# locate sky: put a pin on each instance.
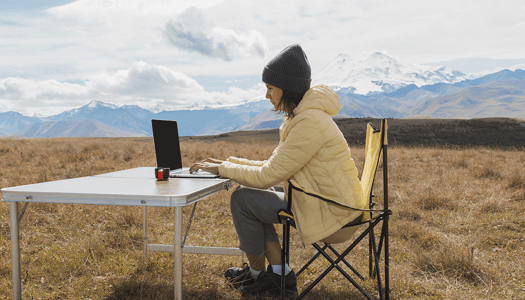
(56, 55)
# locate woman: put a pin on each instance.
(312, 151)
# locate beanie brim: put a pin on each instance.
(292, 84)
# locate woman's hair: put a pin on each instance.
(289, 102)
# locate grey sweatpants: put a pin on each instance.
(254, 212)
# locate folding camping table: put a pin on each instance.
(133, 187)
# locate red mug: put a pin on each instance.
(162, 173)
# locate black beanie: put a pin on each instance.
(289, 70)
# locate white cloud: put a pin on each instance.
(72, 43)
(145, 80)
(143, 84)
(191, 31)
(94, 8)
(20, 89)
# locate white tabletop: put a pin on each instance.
(136, 187)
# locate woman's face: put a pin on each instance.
(274, 94)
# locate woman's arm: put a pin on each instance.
(247, 162)
(212, 164)
(302, 143)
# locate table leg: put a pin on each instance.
(177, 251)
(15, 250)
(145, 232)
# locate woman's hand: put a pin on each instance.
(209, 165)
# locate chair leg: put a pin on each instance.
(382, 238)
(336, 253)
(370, 257)
(377, 271)
(284, 255)
(341, 257)
(334, 264)
(288, 244)
(383, 242)
(311, 261)
(346, 263)
(387, 260)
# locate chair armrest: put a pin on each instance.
(286, 216)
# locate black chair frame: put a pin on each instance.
(376, 216)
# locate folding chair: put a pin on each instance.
(376, 146)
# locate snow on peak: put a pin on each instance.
(159, 108)
(517, 67)
(95, 104)
(377, 72)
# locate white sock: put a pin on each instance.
(277, 269)
(254, 273)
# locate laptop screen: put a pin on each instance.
(166, 143)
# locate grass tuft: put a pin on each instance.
(408, 214)
(454, 262)
(433, 202)
(516, 181)
(488, 172)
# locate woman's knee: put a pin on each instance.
(238, 198)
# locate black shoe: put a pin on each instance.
(270, 282)
(239, 276)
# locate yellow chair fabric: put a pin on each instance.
(376, 141)
(373, 147)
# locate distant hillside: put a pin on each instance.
(84, 128)
(491, 132)
(444, 88)
(11, 122)
(498, 98)
(403, 100)
(265, 120)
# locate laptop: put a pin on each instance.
(167, 150)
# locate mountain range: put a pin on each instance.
(376, 72)
(129, 120)
(374, 85)
(83, 128)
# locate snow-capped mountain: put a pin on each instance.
(128, 118)
(376, 72)
(11, 122)
(82, 112)
(104, 119)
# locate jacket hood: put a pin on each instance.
(320, 97)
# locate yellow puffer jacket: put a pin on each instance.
(313, 152)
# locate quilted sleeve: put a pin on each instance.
(244, 161)
(302, 143)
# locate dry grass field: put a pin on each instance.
(457, 229)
